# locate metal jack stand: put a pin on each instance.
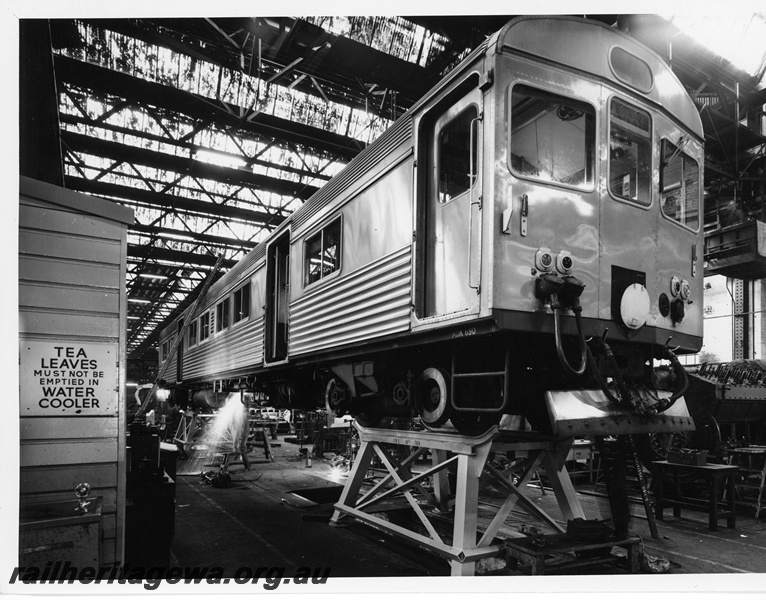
(469, 456)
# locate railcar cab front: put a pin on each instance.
(597, 178)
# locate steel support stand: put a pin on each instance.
(468, 456)
(185, 431)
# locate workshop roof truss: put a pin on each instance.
(210, 158)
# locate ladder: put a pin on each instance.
(143, 409)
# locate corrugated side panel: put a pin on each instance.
(235, 350)
(171, 371)
(371, 302)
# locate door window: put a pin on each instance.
(457, 155)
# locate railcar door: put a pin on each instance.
(453, 209)
(278, 285)
(629, 220)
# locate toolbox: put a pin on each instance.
(688, 457)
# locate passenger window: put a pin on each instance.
(222, 315)
(455, 156)
(552, 137)
(204, 327)
(192, 334)
(679, 185)
(322, 253)
(630, 153)
(164, 351)
(242, 303)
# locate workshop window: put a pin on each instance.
(630, 153)
(204, 327)
(322, 253)
(242, 303)
(192, 335)
(679, 185)
(222, 315)
(553, 138)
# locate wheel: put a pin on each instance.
(432, 397)
(336, 398)
(472, 423)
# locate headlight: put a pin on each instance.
(686, 289)
(675, 286)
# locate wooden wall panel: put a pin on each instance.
(38, 480)
(57, 245)
(59, 297)
(43, 428)
(57, 452)
(58, 219)
(72, 264)
(45, 323)
(35, 268)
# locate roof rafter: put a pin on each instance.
(155, 199)
(223, 114)
(184, 165)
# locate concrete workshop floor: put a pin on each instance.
(257, 523)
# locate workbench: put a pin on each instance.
(752, 469)
(717, 476)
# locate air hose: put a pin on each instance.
(663, 404)
(564, 293)
(681, 377)
(577, 310)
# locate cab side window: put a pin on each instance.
(679, 185)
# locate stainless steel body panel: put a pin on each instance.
(368, 303)
(559, 217)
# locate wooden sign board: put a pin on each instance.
(67, 379)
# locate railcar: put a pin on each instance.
(524, 240)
